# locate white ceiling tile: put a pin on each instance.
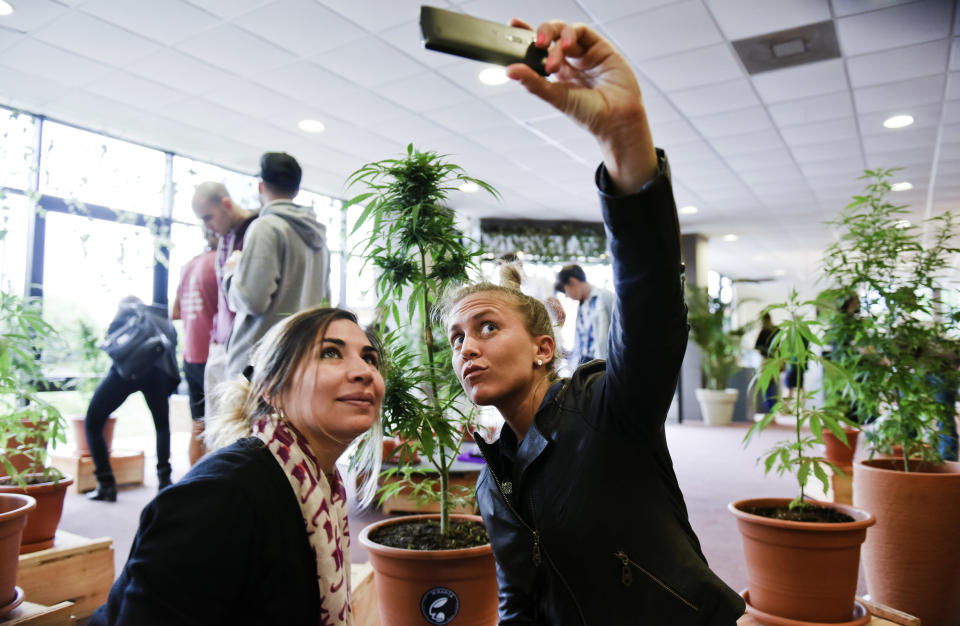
(181, 71)
(8, 38)
(360, 106)
(520, 105)
(806, 110)
(685, 154)
(734, 94)
(363, 62)
(779, 157)
(820, 132)
(466, 74)
(228, 9)
(95, 38)
(252, 99)
(608, 10)
(953, 86)
(733, 122)
(52, 63)
(899, 95)
(923, 116)
(849, 168)
(950, 151)
(659, 109)
(33, 14)
(351, 139)
(407, 38)
(315, 28)
(955, 53)
(739, 19)
(900, 157)
(33, 92)
(850, 7)
(743, 143)
(654, 33)
(803, 81)
(951, 111)
(908, 138)
(375, 17)
(306, 82)
(94, 112)
(412, 128)
(951, 132)
(423, 92)
(532, 12)
(894, 27)
(469, 117)
(899, 64)
(236, 50)
(135, 91)
(830, 149)
(692, 68)
(166, 21)
(674, 132)
(559, 128)
(202, 113)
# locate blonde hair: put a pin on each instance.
(275, 361)
(534, 313)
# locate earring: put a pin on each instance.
(539, 361)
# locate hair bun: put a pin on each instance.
(510, 276)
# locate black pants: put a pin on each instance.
(110, 393)
(193, 372)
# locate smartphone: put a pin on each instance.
(480, 40)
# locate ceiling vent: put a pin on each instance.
(787, 48)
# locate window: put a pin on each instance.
(360, 293)
(16, 148)
(186, 242)
(187, 174)
(14, 215)
(86, 167)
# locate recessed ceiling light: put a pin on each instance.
(902, 186)
(898, 121)
(779, 272)
(469, 187)
(311, 126)
(493, 76)
(687, 210)
(5, 8)
(903, 224)
(730, 237)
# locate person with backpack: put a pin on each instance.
(141, 342)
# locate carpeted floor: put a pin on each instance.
(711, 464)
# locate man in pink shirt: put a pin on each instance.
(196, 305)
(216, 210)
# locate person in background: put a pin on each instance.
(284, 266)
(256, 532)
(196, 304)
(572, 448)
(593, 314)
(218, 213)
(538, 288)
(153, 372)
(762, 345)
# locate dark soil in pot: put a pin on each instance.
(425, 535)
(808, 513)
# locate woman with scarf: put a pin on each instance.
(257, 532)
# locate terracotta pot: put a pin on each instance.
(836, 451)
(910, 558)
(42, 525)
(80, 434)
(716, 406)
(416, 587)
(20, 461)
(805, 571)
(13, 517)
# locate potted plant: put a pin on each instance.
(905, 352)
(14, 508)
(802, 556)
(27, 422)
(419, 253)
(720, 348)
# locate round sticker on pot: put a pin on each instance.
(439, 605)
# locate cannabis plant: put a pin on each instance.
(795, 342)
(708, 317)
(418, 254)
(902, 346)
(27, 422)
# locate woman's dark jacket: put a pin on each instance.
(586, 518)
(224, 545)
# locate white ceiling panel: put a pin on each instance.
(306, 82)
(423, 92)
(820, 132)
(365, 59)
(739, 19)
(407, 38)
(727, 96)
(843, 8)
(894, 27)
(910, 138)
(816, 109)
(955, 53)
(733, 122)
(135, 91)
(744, 143)
(923, 116)
(531, 11)
(253, 99)
(236, 50)
(181, 71)
(375, 17)
(32, 14)
(558, 128)
(360, 106)
(779, 157)
(899, 95)
(677, 131)
(843, 148)
(33, 91)
(517, 104)
(804, 81)
(166, 21)
(471, 117)
(94, 38)
(411, 128)
(316, 28)
(899, 64)
(228, 9)
(52, 63)
(652, 33)
(693, 68)
(608, 10)
(205, 114)
(953, 86)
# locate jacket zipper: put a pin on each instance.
(626, 577)
(536, 557)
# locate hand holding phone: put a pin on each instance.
(480, 40)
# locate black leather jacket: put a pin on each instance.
(586, 518)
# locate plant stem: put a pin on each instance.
(797, 412)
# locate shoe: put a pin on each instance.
(103, 493)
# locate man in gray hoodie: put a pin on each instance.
(284, 266)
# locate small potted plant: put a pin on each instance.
(419, 253)
(27, 422)
(720, 349)
(904, 355)
(802, 556)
